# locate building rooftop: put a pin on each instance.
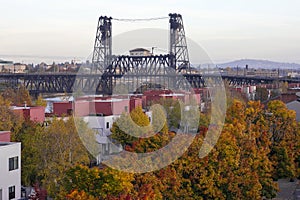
(19, 107)
(2, 132)
(109, 100)
(171, 95)
(7, 143)
(5, 62)
(139, 49)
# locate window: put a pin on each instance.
(0, 194)
(126, 108)
(11, 192)
(13, 163)
(107, 125)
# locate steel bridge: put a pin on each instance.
(171, 70)
(89, 83)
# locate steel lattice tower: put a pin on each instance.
(103, 45)
(178, 45)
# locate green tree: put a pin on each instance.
(59, 148)
(261, 94)
(30, 135)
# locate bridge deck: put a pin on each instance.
(66, 82)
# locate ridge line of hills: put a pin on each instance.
(255, 63)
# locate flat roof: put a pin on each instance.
(5, 62)
(7, 143)
(109, 100)
(171, 95)
(92, 95)
(19, 108)
(1, 132)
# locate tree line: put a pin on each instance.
(258, 145)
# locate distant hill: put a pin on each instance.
(266, 64)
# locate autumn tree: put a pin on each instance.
(79, 195)
(129, 127)
(238, 166)
(19, 96)
(95, 183)
(59, 148)
(285, 139)
(40, 101)
(255, 146)
(8, 119)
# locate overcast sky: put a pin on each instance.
(227, 30)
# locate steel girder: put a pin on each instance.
(120, 72)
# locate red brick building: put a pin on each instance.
(152, 96)
(135, 102)
(36, 114)
(94, 106)
(109, 106)
(62, 108)
(81, 108)
(4, 136)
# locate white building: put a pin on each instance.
(10, 170)
(103, 124)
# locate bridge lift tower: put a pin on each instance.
(103, 45)
(112, 68)
(178, 45)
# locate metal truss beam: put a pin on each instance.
(134, 71)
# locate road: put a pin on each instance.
(288, 190)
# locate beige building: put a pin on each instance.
(140, 52)
(10, 67)
(5, 65)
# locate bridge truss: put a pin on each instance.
(133, 71)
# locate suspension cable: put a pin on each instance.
(136, 20)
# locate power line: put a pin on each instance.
(138, 20)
